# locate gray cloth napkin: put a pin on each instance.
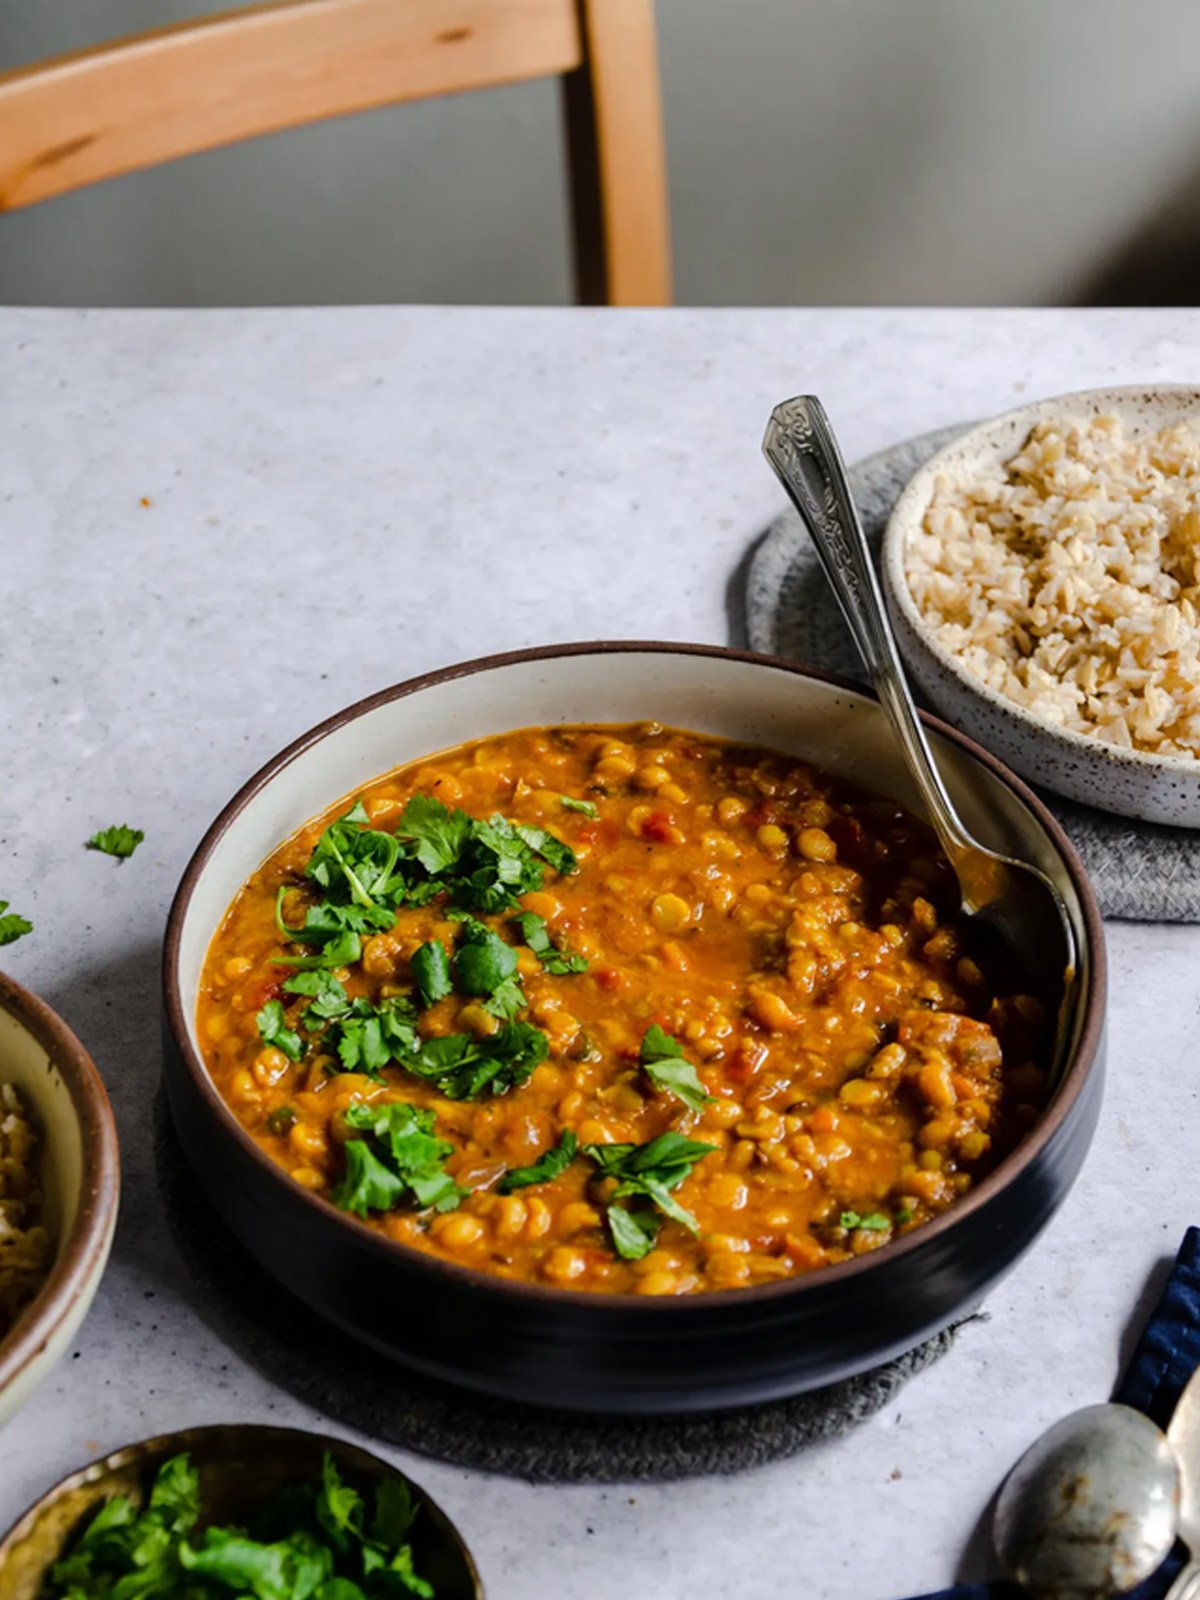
(1139, 870)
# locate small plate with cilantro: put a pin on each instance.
(237, 1513)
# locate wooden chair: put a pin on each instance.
(149, 98)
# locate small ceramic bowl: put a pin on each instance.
(620, 1352)
(80, 1176)
(1132, 783)
(242, 1467)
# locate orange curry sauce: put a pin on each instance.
(797, 937)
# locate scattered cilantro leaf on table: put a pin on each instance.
(12, 926)
(661, 1058)
(547, 1166)
(120, 841)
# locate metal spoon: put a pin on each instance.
(1092, 1508)
(1013, 900)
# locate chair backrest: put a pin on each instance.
(150, 98)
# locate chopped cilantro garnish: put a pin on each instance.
(555, 960)
(355, 862)
(317, 1544)
(369, 1036)
(569, 803)
(328, 995)
(661, 1058)
(873, 1222)
(336, 931)
(12, 926)
(120, 841)
(431, 972)
(547, 1166)
(905, 1213)
(275, 1031)
(648, 1172)
(404, 1160)
(437, 835)
(461, 1067)
(486, 966)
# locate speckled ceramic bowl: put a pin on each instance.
(241, 1467)
(619, 1352)
(1132, 783)
(80, 1178)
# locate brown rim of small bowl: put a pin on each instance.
(666, 1305)
(894, 566)
(189, 1438)
(90, 1234)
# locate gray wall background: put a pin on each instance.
(821, 152)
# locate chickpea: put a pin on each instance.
(774, 1014)
(659, 1283)
(670, 913)
(237, 967)
(731, 808)
(862, 1094)
(673, 793)
(652, 777)
(511, 1216)
(308, 1141)
(270, 1065)
(458, 1231)
(814, 844)
(564, 1265)
(935, 1081)
(772, 838)
(578, 1216)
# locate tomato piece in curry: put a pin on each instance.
(840, 1067)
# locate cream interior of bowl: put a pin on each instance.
(754, 702)
(25, 1063)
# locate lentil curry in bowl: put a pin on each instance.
(621, 1009)
(605, 1066)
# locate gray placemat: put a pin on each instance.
(358, 1387)
(1139, 870)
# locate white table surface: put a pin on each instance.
(341, 498)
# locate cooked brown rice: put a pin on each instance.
(1068, 579)
(24, 1243)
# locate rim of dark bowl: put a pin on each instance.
(143, 1451)
(1082, 1059)
(89, 1235)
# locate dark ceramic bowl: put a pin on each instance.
(621, 1352)
(242, 1467)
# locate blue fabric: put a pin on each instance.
(1167, 1354)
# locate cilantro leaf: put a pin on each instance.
(633, 1232)
(547, 1166)
(274, 1030)
(461, 1066)
(485, 965)
(406, 1159)
(12, 926)
(335, 929)
(120, 841)
(436, 833)
(482, 960)
(354, 861)
(328, 995)
(648, 1171)
(569, 803)
(316, 1549)
(431, 972)
(873, 1222)
(555, 960)
(368, 1037)
(560, 856)
(661, 1058)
